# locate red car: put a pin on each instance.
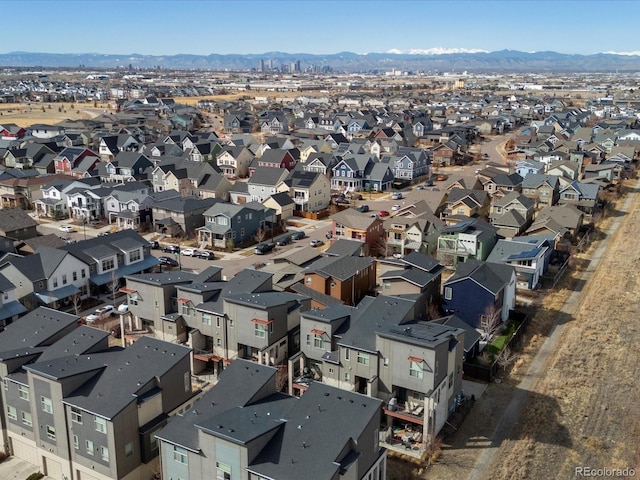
(383, 213)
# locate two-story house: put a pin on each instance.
(16, 224)
(347, 278)
(583, 196)
(274, 158)
(410, 163)
(76, 161)
(226, 223)
(544, 190)
(471, 239)
(127, 167)
(234, 161)
(311, 192)
(407, 233)
(10, 308)
(512, 214)
(529, 257)
(467, 203)
(348, 174)
(265, 182)
(180, 216)
(354, 225)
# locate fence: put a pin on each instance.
(487, 373)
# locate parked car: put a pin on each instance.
(263, 248)
(396, 207)
(68, 240)
(363, 208)
(101, 313)
(329, 235)
(316, 243)
(342, 201)
(189, 252)
(354, 196)
(93, 223)
(66, 228)
(284, 240)
(419, 187)
(171, 249)
(428, 183)
(154, 245)
(383, 213)
(441, 178)
(103, 234)
(396, 196)
(297, 235)
(168, 262)
(123, 308)
(206, 254)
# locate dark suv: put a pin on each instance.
(171, 249)
(263, 248)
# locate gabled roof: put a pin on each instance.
(12, 219)
(268, 176)
(351, 218)
(341, 268)
(535, 180)
(492, 277)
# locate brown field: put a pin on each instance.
(24, 115)
(584, 410)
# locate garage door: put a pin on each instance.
(24, 451)
(52, 468)
(84, 476)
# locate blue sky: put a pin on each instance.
(323, 26)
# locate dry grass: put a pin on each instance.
(25, 115)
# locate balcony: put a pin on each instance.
(408, 412)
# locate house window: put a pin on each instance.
(23, 392)
(104, 453)
(347, 377)
(318, 341)
(108, 264)
(64, 279)
(387, 284)
(101, 425)
(12, 413)
(83, 273)
(55, 282)
(128, 449)
(26, 418)
(179, 455)
(451, 380)
(76, 416)
(47, 405)
(75, 276)
(219, 342)
(51, 432)
(134, 256)
(309, 340)
(448, 293)
(260, 330)
(416, 370)
(76, 442)
(206, 319)
(331, 370)
(385, 361)
(223, 471)
(363, 358)
(89, 447)
(5, 383)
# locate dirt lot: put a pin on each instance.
(583, 409)
(24, 115)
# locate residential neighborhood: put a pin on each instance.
(284, 286)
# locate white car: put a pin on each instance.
(67, 228)
(189, 252)
(101, 313)
(395, 207)
(123, 308)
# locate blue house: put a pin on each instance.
(479, 290)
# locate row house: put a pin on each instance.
(241, 428)
(353, 225)
(54, 201)
(470, 239)
(379, 350)
(68, 420)
(180, 216)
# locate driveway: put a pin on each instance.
(14, 468)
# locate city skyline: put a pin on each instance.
(321, 27)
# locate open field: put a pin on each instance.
(24, 114)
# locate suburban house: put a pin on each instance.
(409, 163)
(112, 257)
(16, 224)
(504, 183)
(530, 258)
(544, 190)
(470, 239)
(311, 192)
(282, 204)
(234, 161)
(354, 225)
(76, 161)
(417, 276)
(407, 233)
(565, 220)
(127, 167)
(264, 182)
(467, 203)
(346, 278)
(274, 158)
(348, 174)
(245, 428)
(512, 214)
(71, 422)
(180, 216)
(238, 224)
(583, 196)
(479, 292)
(10, 308)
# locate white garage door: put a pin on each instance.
(24, 451)
(84, 476)
(52, 468)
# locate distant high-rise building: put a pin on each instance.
(261, 68)
(297, 66)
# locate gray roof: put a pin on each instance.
(471, 335)
(40, 327)
(353, 219)
(493, 277)
(323, 299)
(534, 180)
(268, 176)
(264, 300)
(40, 265)
(82, 248)
(12, 219)
(506, 250)
(164, 278)
(425, 334)
(416, 276)
(283, 199)
(341, 268)
(131, 369)
(345, 247)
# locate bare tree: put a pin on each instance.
(491, 322)
(433, 311)
(380, 248)
(260, 235)
(506, 358)
(114, 285)
(76, 301)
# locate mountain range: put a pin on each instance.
(415, 60)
